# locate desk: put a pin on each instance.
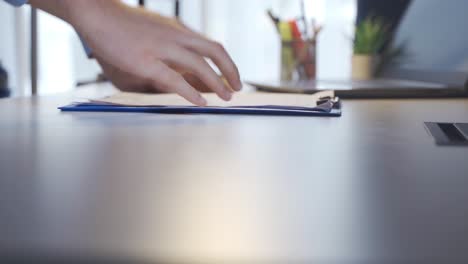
(370, 187)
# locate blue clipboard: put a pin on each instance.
(326, 109)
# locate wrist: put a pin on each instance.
(85, 15)
(78, 13)
(58, 8)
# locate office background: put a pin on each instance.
(246, 32)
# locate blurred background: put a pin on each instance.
(241, 25)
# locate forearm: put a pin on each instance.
(76, 12)
(155, 50)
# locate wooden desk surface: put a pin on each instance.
(370, 187)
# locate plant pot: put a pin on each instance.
(364, 66)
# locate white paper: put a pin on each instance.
(239, 99)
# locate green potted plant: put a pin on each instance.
(370, 37)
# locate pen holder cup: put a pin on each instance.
(298, 60)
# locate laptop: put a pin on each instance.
(435, 62)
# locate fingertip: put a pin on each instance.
(238, 87)
(201, 101)
(235, 84)
(196, 99)
(227, 96)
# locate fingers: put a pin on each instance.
(219, 56)
(196, 83)
(171, 81)
(197, 65)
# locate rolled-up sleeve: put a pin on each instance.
(17, 2)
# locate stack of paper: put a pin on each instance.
(319, 104)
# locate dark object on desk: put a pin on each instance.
(319, 104)
(435, 61)
(4, 90)
(328, 108)
(452, 134)
(380, 88)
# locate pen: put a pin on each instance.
(274, 19)
(316, 29)
(300, 49)
(304, 18)
(287, 51)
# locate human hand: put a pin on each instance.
(155, 50)
(131, 83)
